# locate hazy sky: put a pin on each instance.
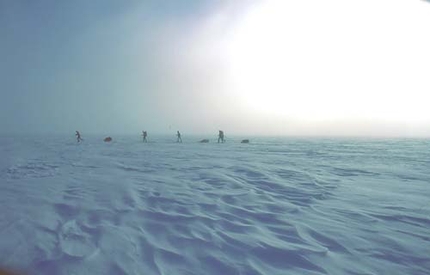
(312, 67)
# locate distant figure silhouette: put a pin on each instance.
(144, 135)
(107, 139)
(78, 136)
(221, 136)
(245, 141)
(204, 141)
(179, 137)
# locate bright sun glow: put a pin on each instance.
(333, 60)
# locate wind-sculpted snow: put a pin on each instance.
(273, 206)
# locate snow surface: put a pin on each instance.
(274, 206)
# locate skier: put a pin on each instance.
(221, 136)
(78, 136)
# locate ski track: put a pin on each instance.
(274, 206)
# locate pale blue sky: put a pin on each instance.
(97, 66)
(248, 67)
